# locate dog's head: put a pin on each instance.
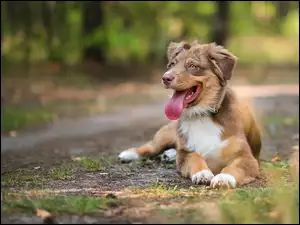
(197, 73)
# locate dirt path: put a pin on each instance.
(104, 123)
(111, 132)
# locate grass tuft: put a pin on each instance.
(62, 173)
(91, 165)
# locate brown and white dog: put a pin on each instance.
(216, 138)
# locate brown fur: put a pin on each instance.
(210, 66)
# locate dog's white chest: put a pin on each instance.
(203, 136)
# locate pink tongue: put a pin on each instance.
(175, 105)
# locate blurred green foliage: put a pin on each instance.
(130, 31)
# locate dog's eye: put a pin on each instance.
(171, 64)
(192, 66)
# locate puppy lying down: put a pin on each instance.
(216, 138)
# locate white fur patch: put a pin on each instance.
(127, 156)
(169, 155)
(224, 180)
(196, 111)
(202, 177)
(203, 136)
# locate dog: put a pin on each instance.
(216, 137)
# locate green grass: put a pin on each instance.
(282, 120)
(62, 173)
(275, 202)
(26, 179)
(18, 118)
(261, 205)
(36, 178)
(280, 164)
(278, 202)
(91, 165)
(57, 204)
(13, 119)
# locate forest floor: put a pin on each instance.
(66, 163)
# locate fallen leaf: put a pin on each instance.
(42, 213)
(45, 216)
(276, 158)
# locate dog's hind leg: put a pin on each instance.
(164, 139)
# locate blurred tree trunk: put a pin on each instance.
(93, 19)
(220, 28)
(282, 9)
(13, 9)
(27, 17)
(47, 22)
(61, 30)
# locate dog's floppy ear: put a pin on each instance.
(175, 48)
(223, 62)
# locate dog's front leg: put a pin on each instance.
(192, 165)
(242, 168)
(164, 138)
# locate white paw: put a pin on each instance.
(202, 177)
(223, 180)
(128, 155)
(169, 155)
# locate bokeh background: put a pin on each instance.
(81, 82)
(73, 58)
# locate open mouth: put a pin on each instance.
(181, 100)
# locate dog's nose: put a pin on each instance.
(167, 78)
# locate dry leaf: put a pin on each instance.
(43, 213)
(276, 159)
(45, 216)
